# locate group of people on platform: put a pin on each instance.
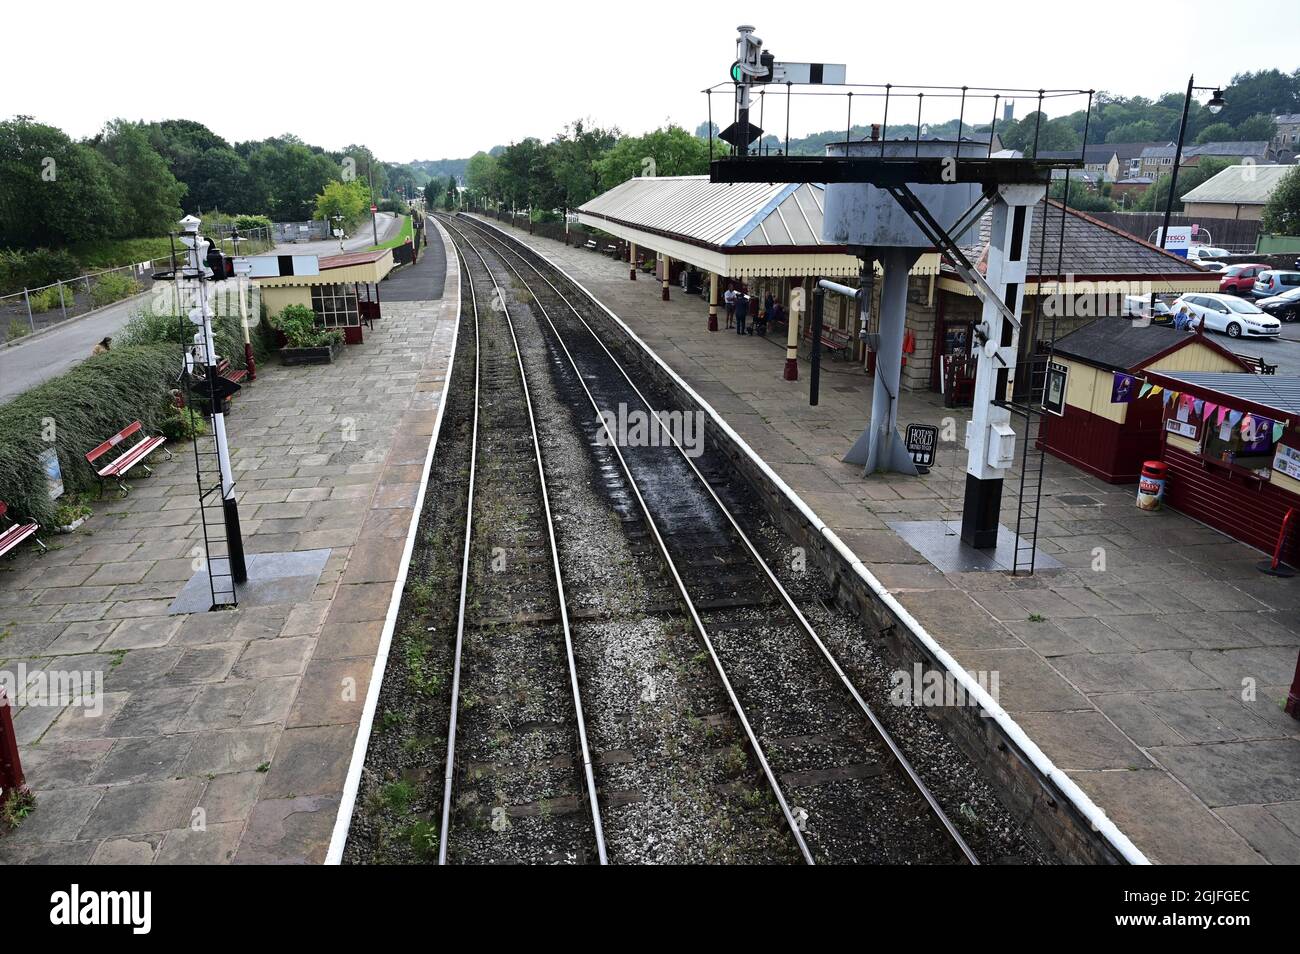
(744, 313)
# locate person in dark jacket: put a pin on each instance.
(742, 311)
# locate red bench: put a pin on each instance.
(236, 375)
(15, 533)
(838, 343)
(117, 468)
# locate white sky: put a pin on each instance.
(444, 81)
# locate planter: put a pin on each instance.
(72, 526)
(322, 354)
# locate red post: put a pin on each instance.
(1275, 566)
(11, 768)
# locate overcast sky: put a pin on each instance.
(445, 81)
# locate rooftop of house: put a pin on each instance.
(1091, 249)
(1247, 184)
(1256, 148)
(1120, 344)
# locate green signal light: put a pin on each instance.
(736, 75)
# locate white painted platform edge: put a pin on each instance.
(352, 783)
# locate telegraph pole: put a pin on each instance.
(370, 171)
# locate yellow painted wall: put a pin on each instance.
(276, 299)
(1089, 388)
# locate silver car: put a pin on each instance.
(1234, 316)
(1274, 282)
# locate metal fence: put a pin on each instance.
(35, 309)
(313, 231)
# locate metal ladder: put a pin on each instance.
(1027, 407)
(207, 475)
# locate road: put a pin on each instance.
(38, 358)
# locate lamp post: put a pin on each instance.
(1216, 103)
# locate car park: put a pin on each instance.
(1274, 282)
(1204, 254)
(1238, 279)
(1139, 306)
(1285, 306)
(1231, 315)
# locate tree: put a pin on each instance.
(346, 200)
(220, 179)
(1257, 128)
(1081, 197)
(292, 176)
(1216, 132)
(573, 155)
(148, 193)
(1282, 211)
(52, 191)
(1050, 135)
(1154, 199)
(481, 175)
(670, 151)
(1269, 92)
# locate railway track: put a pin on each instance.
(845, 790)
(516, 730)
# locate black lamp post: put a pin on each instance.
(1216, 103)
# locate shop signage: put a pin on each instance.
(1287, 460)
(921, 442)
(1054, 389)
(1181, 428)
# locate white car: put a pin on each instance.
(1234, 316)
(1202, 254)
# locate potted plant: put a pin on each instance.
(305, 343)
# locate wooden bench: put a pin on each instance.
(116, 469)
(1257, 364)
(15, 533)
(235, 375)
(591, 244)
(833, 340)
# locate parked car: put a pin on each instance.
(1203, 254)
(1233, 316)
(1139, 306)
(1285, 306)
(1274, 282)
(1238, 279)
(1212, 266)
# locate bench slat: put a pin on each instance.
(132, 457)
(16, 535)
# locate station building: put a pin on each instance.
(343, 290)
(765, 238)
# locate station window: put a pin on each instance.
(1249, 448)
(335, 305)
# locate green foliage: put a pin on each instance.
(1282, 212)
(404, 232)
(49, 298)
(87, 404)
(17, 329)
(148, 193)
(298, 325)
(183, 424)
(670, 151)
(111, 287)
(112, 253)
(1081, 197)
(347, 200)
(246, 223)
(35, 268)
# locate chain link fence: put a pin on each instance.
(35, 309)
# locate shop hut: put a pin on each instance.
(1096, 421)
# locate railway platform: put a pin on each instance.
(226, 736)
(1151, 664)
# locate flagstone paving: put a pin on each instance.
(1152, 668)
(225, 736)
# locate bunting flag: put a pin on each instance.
(1168, 397)
(1156, 390)
(1209, 409)
(1223, 412)
(1234, 417)
(1277, 431)
(1198, 406)
(1145, 388)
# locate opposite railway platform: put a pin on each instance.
(1154, 677)
(226, 736)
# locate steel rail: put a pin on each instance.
(587, 766)
(775, 583)
(768, 773)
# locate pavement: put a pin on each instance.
(36, 358)
(224, 736)
(1151, 667)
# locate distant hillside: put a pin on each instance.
(440, 168)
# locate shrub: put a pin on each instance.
(182, 424)
(47, 299)
(78, 409)
(111, 287)
(248, 222)
(17, 329)
(298, 325)
(33, 269)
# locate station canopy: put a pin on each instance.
(736, 230)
